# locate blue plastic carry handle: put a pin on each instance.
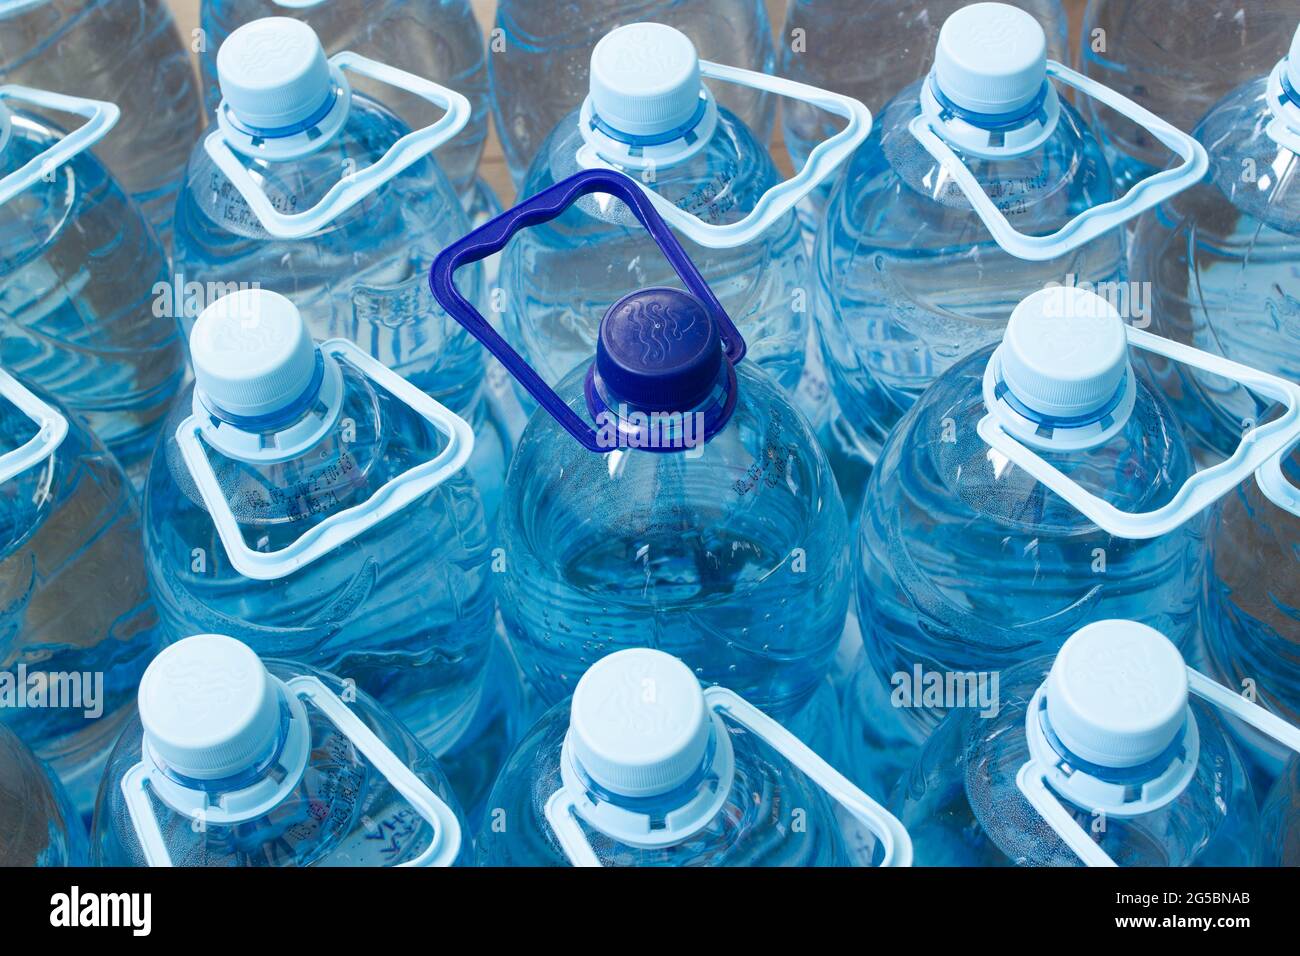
(492, 236)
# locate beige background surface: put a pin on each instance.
(493, 165)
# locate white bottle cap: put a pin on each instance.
(1293, 61)
(1117, 693)
(645, 79)
(638, 723)
(209, 708)
(1064, 353)
(253, 354)
(991, 58)
(273, 73)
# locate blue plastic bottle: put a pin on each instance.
(265, 203)
(538, 56)
(437, 39)
(665, 496)
(978, 186)
(230, 761)
(869, 50)
(130, 54)
(77, 626)
(650, 114)
(1279, 820)
(1251, 612)
(645, 768)
(80, 277)
(314, 505)
(968, 564)
(1177, 58)
(1224, 258)
(1111, 753)
(38, 824)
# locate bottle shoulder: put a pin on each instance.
(936, 454)
(895, 190)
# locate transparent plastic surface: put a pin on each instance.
(773, 816)
(436, 40)
(363, 277)
(342, 811)
(1223, 261)
(404, 609)
(538, 62)
(966, 565)
(130, 54)
(1251, 611)
(1279, 820)
(78, 299)
(38, 824)
(1177, 58)
(869, 50)
(561, 277)
(909, 279)
(77, 625)
(733, 557)
(961, 805)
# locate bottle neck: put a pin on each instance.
(249, 793)
(992, 135)
(284, 434)
(660, 820)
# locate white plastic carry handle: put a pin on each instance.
(51, 427)
(100, 118)
(1258, 446)
(896, 845)
(343, 526)
(822, 161)
(1273, 482)
(1091, 223)
(1031, 779)
(443, 848)
(350, 189)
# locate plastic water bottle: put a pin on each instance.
(1033, 488)
(1177, 59)
(539, 51)
(130, 54)
(1116, 728)
(77, 626)
(38, 824)
(1279, 821)
(869, 50)
(978, 186)
(314, 505)
(1250, 617)
(232, 761)
(266, 204)
(650, 114)
(667, 495)
(645, 768)
(1223, 259)
(436, 39)
(80, 271)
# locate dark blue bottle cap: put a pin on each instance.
(659, 350)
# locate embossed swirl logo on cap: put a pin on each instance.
(264, 51)
(640, 705)
(657, 326)
(244, 331)
(997, 31)
(645, 53)
(202, 687)
(1124, 672)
